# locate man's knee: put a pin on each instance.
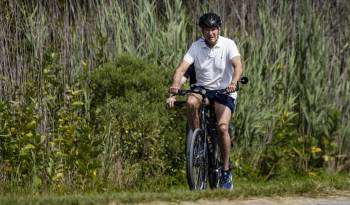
(192, 102)
(223, 129)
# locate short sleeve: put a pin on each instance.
(189, 56)
(232, 50)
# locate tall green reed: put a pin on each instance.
(295, 123)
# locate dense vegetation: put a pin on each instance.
(83, 86)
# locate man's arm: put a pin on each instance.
(237, 70)
(179, 73)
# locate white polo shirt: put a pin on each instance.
(213, 65)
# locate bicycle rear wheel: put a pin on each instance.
(196, 160)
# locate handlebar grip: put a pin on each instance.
(180, 92)
(237, 87)
(179, 103)
(244, 80)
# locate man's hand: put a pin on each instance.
(232, 87)
(174, 89)
(171, 100)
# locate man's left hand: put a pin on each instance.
(232, 87)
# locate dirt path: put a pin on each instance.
(265, 201)
(342, 198)
(277, 201)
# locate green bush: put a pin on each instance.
(111, 129)
(131, 117)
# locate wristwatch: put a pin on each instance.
(234, 83)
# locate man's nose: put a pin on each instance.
(211, 33)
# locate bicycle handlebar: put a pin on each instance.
(201, 92)
(243, 80)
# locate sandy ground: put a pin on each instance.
(277, 201)
(342, 198)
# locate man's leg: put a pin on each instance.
(223, 116)
(193, 103)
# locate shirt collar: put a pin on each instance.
(217, 45)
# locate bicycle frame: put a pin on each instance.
(208, 158)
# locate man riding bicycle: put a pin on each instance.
(217, 65)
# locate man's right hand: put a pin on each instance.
(174, 89)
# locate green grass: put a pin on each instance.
(311, 186)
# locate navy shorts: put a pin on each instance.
(223, 99)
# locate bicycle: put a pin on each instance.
(203, 157)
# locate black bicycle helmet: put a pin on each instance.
(210, 20)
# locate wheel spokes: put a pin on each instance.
(199, 165)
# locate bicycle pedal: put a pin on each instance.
(209, 140)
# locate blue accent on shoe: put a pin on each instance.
(226, 180)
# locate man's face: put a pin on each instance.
(211, 35)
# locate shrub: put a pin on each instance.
(130, 116)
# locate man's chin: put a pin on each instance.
(212, 41)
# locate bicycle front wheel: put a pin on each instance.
(196, 160)
(215, 164)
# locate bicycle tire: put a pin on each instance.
(196, 161)
(215, 164)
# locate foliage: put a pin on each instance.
(296, 122)
(20, 145)
(64, 154)
(132, 119)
